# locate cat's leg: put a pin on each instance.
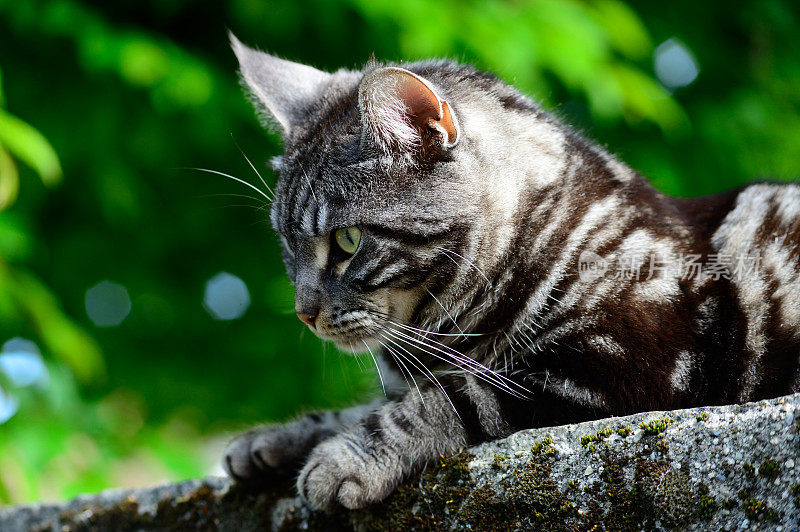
(366, 463)
(281, 448)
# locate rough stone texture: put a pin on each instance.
(715, 468)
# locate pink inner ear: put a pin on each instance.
(448, 123)
(425, 108)
(420, 100)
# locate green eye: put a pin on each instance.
(348, 239)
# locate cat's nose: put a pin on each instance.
(309, 319)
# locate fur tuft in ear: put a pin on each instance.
(284, 89)
(402, 110)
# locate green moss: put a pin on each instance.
(674, 500)
(656, 426)
(624, 512)
(749, 470)
(122, 515)
(528, 496)
(532, 498)
(661, 446)
(456, 467)
(768, 469)
(484, 510)
(625, 431)
(544, 446)
(497, 463)
(754, 508)
(534, 491)
(200, 509)
(795, 489)
(707, 505)
(440, 491)
(702, 417)
(596, 437)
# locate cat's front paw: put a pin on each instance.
(342, 471)
(265, 452)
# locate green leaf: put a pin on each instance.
(624, 28)
(30, 146)
(9, 179)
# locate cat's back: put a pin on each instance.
(759, 241)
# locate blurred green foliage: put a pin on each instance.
(127, 93)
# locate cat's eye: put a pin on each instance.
(348, 239)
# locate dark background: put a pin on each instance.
(128, 94)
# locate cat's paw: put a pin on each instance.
(264, 452)
(341, 471)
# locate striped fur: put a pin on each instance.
(467, 279)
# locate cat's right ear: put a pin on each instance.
(402, 110)
(284, 89)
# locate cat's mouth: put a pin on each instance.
(352, 332)
(366, 344)
(353, 342)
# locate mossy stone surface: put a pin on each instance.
(733, 467)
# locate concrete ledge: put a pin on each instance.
(715, 468)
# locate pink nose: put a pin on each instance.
(310, 319)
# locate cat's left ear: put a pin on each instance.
(402, 110)
(286, 90)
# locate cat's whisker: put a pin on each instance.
(480, 375)
(400, 361)
(445, 311)
(377, 366)
(253, 167)
(386, 317)
(426, 332)
(360, 364)
(448, 251)
(453, 353)
(232, 195)
(473, 363)
(425, 371)
(465, 363)
(242, 181)
(238, 205)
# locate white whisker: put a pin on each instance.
(242, 181)
(467, 260)
(253, 167)
(377, 366)
(446, 312)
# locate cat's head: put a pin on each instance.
(397, 190)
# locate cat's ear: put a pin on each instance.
(286, 90)
(401, 110)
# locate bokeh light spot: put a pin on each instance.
(107, 304)
(18, 344)
(8, 406)
(226, 297)
(675, 64)
(22, 363)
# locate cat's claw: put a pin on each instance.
(336, 475)
(237, 460)
(261, 453)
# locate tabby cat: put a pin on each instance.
(512, 272)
